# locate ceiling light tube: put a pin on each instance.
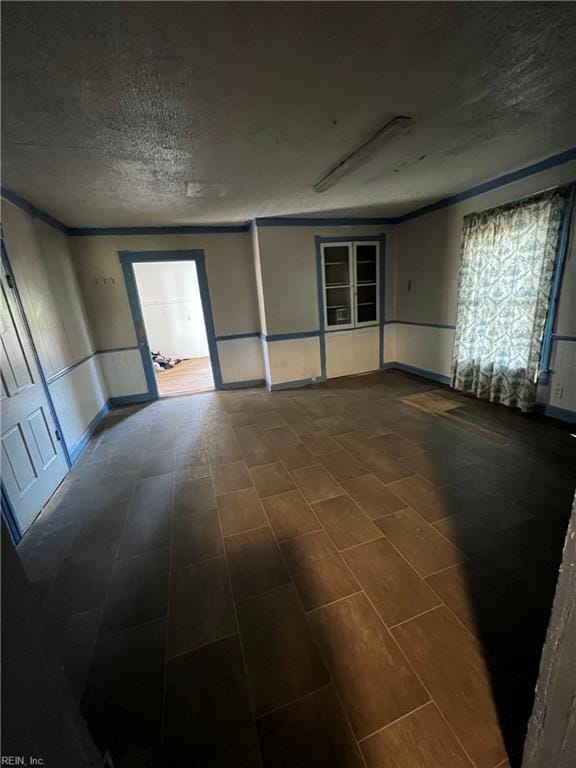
(397, 126)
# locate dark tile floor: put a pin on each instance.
(325, 577)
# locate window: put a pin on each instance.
(506, 273)
(351, 275)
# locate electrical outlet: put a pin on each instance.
(558, 392)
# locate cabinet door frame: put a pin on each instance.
(376, 284)
(352, 246)
(351, 284)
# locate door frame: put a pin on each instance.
(6, 505)
(319, 242)
(196, 255)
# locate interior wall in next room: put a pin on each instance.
(231, 285)
(40, 258)
(427, 287)
(172, 308)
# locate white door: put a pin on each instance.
(33, 462)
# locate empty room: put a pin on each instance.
(288, 367)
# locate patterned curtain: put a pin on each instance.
(506, 271)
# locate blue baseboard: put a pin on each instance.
(242, 384)
(554, 412)
(143, 397)
(80, 444)
(439, 377)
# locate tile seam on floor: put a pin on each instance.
(294, 701)
(431, 698)
(107, 595)
(241, 533)
(430, 525)
(361, 544)
(338, 600)
(131, 627)
(360, 591)
(200, 647)
(171, 518)
(242, 650)
(441, 604)
(398, 719)
(315, 640)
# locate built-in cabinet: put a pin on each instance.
(350, 283)
(351, 293)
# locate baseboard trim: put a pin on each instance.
(242, 384)
(142, 397)
(80, 444)
(432, 375)
(293, 384)
(553, 412)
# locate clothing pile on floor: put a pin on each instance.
(162, 363)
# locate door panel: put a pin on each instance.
(15, 370)
(33, 461)
(16, 460)
(42, 437)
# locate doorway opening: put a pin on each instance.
(173, 315)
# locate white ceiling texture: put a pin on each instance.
(160, 113)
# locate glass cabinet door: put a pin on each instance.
(338, 285)
(366, 279)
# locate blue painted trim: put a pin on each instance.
(439, 377)
(382, 298)
(289, 336)
(553, 412)
(16, 292)
(58, 375)
(80, 444)
(320, 295)
(292, 384)
(242, 384)
(499, 181)
(424, 325)
(32, 210)
(235, 336)
(318, 242)
(193, 229)
(116, 349)
(559, 337)
(9, 517)
(139, 327)
(347, 330)
(128, 259)
(351, 239)
(546, 348)
(208, 319)
(142, 397)
(278, 221)
(64, 371)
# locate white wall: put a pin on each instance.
(231, 284)
(43, 268)
(427, 286)
(172, 308)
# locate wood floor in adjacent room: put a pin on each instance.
(338, 576)
(186, 378)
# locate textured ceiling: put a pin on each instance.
(172, 113)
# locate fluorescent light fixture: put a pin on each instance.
(396, 127)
